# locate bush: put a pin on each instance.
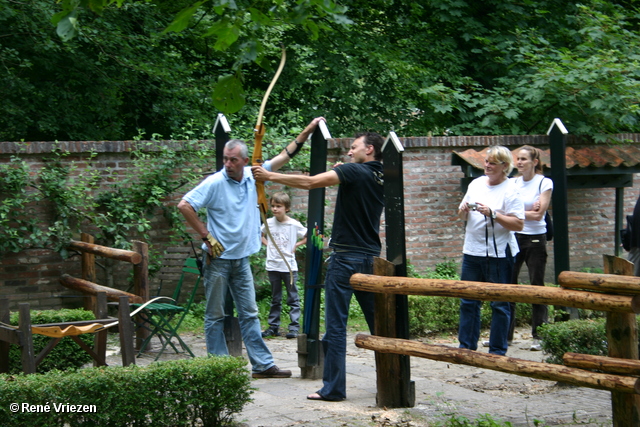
(201, 391)
(66, 354)
(576, 336)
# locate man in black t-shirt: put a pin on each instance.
(354, 240)
(634, 238)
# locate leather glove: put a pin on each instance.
(216, 248)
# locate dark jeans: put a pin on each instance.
(491, 270)
(338, 293)
(533, 252)
(279, 279)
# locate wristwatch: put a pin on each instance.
(493, 214)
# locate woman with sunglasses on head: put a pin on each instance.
(535, 191)
(493, 211)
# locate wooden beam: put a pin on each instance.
(88, 259)
(609, 283)
(91, 288)
(394, 385)
(611, 365)
(126, 332)
(496, 292)
(511, 365)
(6, 335)
(141, 288)
(107, 252)
(622, 340)
(27, 352)
(100, 338)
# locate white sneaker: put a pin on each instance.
(485, 343)
(535, 346)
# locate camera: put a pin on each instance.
(472, 206)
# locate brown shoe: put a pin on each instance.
(272, 372)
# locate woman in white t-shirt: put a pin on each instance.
(535, 191)
(492, 210)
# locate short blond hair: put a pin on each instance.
(500, 154)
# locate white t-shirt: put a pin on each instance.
(530, 192)
(502, 198)
(285, 234)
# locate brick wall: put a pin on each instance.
(432, 194)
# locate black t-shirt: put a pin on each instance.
(356, 222)
(635, 226)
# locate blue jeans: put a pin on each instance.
(233, 275)
(492, 270)
(338, 294)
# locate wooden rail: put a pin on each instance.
(139, 258)
(610, 283)
(621, 302)
(497, 292)
(89, 288)
(107, 252)
(613, 365)
(512, 365)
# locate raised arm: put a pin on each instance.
(283, 158)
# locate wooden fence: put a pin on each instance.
(138, 257)
(618, 296)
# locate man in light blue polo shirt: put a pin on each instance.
(231, 235)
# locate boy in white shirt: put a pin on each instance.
(286, 232)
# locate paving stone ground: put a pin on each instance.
(443, 391)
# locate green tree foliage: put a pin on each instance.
(118, 75)
(430, 67)
(540, 60)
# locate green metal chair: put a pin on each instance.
(164, 319)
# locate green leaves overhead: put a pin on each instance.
(429, 67)
(228, 95)
(67, 26)
(182, 19)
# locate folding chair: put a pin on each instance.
(164, 319)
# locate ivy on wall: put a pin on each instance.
(45, 207)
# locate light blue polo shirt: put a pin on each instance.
(233, 217)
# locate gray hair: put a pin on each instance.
(233, 143)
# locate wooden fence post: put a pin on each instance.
(24, 326)
(141, 285)
(88, 265)
(395, 389)
(622, 339)
(126, 332)
(5, 316)
(100, 338)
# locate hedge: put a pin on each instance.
(190, 392)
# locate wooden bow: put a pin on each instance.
(259, 130)
(257, 160)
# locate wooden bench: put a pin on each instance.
(23, 335)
